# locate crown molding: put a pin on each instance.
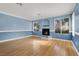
(10, 14)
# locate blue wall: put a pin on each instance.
(76, 37)
(76, 10)
(76, 18)
(13, 23)
(76, 41)
(9, 35)
(51, 27)
(55, 35)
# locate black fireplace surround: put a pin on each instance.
(45, 31)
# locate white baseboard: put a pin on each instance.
(34, 35)
(75, 48)
(15, 38)
(77, 33)
(53, 38)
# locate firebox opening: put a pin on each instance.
(45, 32)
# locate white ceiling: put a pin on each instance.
(33, 11)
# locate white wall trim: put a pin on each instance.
(10, 14)
(50, 30)
(14, 30)
(73, 24)
(53, 31)
(22, 30)
(75, 48)
(14, 38)
(76, 33)
(34, 35)
(50, 38)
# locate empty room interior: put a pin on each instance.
(39, 29)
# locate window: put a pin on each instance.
(62, 25)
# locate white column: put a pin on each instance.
(73, 24)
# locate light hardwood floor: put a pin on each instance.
(35, 46)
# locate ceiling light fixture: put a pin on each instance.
(20, 4)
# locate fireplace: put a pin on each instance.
(45, 32)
